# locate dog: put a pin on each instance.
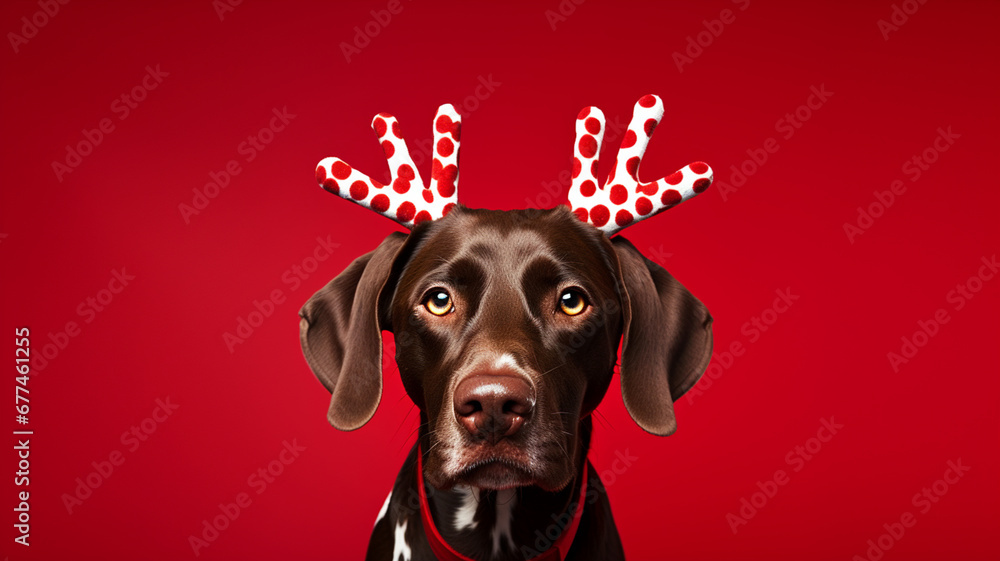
(508, 327)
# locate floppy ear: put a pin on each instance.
(666, 343)
(341, 333)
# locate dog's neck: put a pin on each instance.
(507, 525)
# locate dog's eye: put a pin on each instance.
(438, 302)
(572, 302)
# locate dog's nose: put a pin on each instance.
(493, 406)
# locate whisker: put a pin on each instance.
(553, 368)
(604, 420)
(405, 418)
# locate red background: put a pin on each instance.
(825, 356)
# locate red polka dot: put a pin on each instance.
(380, 203)
(599, 215)
(583, 113)
(588, 146)
(593, 169)
(643, 206)
(702, 184)
(396, 130)
(330, 185)
(406, 211)
(648, 126)
(647, 100)
(623, 218)
(449, 172)
(674, 178)
(632, 166)
(405, 172)
(593, 126)
(359, 190)
(320, 174)
(388, 148)
(648, 188)
(379, 126)
(400, 185)
(619, 194)
(581, 213)
(699, 167)
(446, 180)
(422, 216)
(385, 115)
(629, 140)
(670, 198)
(588, 188)
(447, 209)
(446, 125)
(576, 167)
(446, 188)
(340, 170)
(445, 147)
(428, 195)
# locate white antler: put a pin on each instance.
(407, 199)
(623, 199)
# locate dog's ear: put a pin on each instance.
(666, 342)
(341, 332)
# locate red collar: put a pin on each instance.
(444, 552)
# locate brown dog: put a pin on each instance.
(507, 326)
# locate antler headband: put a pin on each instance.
(621, 201)
(406, 199)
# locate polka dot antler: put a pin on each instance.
(624, 199)
(406, 199)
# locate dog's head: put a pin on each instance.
(507, 326)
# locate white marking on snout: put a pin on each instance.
(505, 513)
(465, 515)
(385, 508)
(399, 546)
(508, 360)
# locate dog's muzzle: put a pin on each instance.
(492, 407)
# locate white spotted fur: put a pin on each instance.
(385, 508)
(401, 549)
(505, 513)
(465, 515)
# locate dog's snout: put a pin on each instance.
(493, 406)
